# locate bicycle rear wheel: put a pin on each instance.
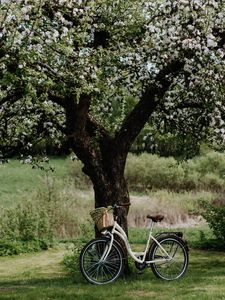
(176, 266)
(101, 272)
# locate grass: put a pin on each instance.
(192, 235)
(41, 276)
(19, 181)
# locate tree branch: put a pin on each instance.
(57, 99)
(93, 128)
(13, 97)
(139, 116)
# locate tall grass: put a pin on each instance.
(179, 209)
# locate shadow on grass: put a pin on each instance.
(205, 269)
(41, 288)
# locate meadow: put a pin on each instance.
(67, 197)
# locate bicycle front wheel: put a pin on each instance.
(172, 262)
(96, 270)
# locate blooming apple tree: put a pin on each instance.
(94, 72)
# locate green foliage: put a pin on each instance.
(212, 162)
(51, 211)
(15, 247)
(152, 172)
(71, 259)
(25, 228)
(27, 221)
(212, 182)
(148, 171)
(215, 216)
(164, 143)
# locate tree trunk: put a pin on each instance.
(116, 194)
(110, 187)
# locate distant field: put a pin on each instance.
(66, 184)
(18, 181)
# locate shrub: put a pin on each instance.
(215, 216)
(153, 172)
(50, 213)
(148, 171)
(212, 162)
(14, 247)
(28, 221)
(25, 228)
(212, 182)
(71, 259)
(191, 178)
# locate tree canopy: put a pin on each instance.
(116, 53)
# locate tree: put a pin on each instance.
(95, 72)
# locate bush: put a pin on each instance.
(212, 162)
(25, 228)
(14, 247)
(215, 216)
(153, 172)
(148, 171)
(28, 221)
(212, 182)
(71, 259)
(50, 213)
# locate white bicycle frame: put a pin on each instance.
(135, 255)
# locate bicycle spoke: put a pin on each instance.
(174, 267)
(97, 269)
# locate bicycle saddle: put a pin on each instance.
(156, 218)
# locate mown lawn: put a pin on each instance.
(42, 276)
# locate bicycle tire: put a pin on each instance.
(97, 272)
(177, 266)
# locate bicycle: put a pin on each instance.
(102, 259)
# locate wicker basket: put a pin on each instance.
(102, 217)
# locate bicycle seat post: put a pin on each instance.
(151, 225)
